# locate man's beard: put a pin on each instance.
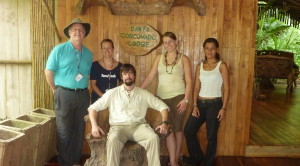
(129, 83)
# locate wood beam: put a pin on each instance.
(83, 5)
(140, 8)
(13, 62)
(200, 8)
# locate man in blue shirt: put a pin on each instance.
(67, 71)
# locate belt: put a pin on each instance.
(75, 90)
(210, 100)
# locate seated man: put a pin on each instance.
(127, 110)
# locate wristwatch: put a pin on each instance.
(165, 122)
(186, 100)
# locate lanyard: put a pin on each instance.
(79, 57)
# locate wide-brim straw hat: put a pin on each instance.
(86, 26)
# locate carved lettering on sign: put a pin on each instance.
(138, 39)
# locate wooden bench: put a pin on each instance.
(274, 65)
(132, 153)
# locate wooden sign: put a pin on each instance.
(138, 39)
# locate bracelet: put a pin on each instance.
(186, 100)
(195, 105)
(223, 108)
(164, 122)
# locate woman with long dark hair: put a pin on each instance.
(210, 104)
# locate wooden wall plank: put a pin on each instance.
(250, 94)
(99, 29)
(191, 48)
(4, 24)
(69, 13)
(12, 91)
(25, 81)
(26, 90)
(227, 127)
(24, 30)
(12, 53)
(3, 110)
(60, 20)
(187, 31)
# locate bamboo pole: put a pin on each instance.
(43, 41)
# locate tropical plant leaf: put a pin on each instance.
(274, 34)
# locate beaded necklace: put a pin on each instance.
(173, 63)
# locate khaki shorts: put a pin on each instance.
(175, 119)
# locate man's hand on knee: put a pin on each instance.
(163, 128)
(97, 131)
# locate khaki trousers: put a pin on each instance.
(143, 134)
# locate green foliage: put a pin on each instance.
(276, 35)
(268, 32)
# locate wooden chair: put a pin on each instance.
(132, 153)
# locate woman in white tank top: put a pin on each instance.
(209, 104)
(174, 88)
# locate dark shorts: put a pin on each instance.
(175, 119)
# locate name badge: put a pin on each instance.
(78, 77)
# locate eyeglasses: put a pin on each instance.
(77, 29)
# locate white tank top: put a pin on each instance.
(211, 82)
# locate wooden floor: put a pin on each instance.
(276, 119)
(256, 161)
(226, 161)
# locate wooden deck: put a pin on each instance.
(275, 121)
(256, 161)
